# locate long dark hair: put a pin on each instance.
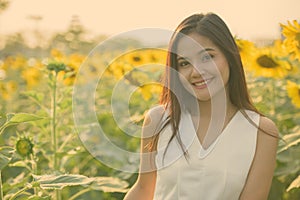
(214, 28)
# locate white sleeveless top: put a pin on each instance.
(216, 173)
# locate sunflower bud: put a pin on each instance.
(56, 66)
(24, 146)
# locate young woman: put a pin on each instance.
(206, 140)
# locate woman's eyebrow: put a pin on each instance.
(200, 52)
(206, 50)
(181, 58)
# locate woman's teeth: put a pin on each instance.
(200, 83)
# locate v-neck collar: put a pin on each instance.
(205, 151)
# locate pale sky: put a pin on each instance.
(251, 19)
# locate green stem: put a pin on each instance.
(2, 128)
(53, 131)
(34, 170)
(19, 192)
(1, 191)
(81, 192)
(41, 105)
(53, 123)
(58, 194)
(65, 142)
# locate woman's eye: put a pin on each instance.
(183, 63)
(206, 57)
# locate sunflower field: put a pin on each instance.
(42, 154)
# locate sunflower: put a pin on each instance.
(125, 63)
(157, 56)
(135, 58)
(57, 55)
(19, 62)
(145, 56)
(130, 67)
(73, 63)
(149, 90)
(268, 62)
(7, 89)
(293, 91)
(32, 76)
(292, 38)
(66, 67)
(118, 69)
(246, 49)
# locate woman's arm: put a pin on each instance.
(143, 188)
(145, 184)
(260, 176)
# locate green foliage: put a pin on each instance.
(35, 168)
(294, 184)
(6, 154)
(14, 119)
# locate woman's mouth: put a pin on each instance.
(201, 84)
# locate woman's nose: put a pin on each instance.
(197, 71)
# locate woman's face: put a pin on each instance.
(203, 68)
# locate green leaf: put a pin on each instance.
(106, 184)
(290, 140)
(65, 103)
(6, 154)
(9, 116)
(23, 117)
(2, 119)
(13, 119)
(35, 197)
(20, 163)
(69, 74)
(61, 181)
(286, 169)
(37, 96)
(109, 184)
(294, 184)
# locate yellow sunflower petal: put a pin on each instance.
(293, 91)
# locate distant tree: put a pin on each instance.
(14, 45)
(73, 40)
(3, 5)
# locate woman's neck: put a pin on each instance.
(218, 105)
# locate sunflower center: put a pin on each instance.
(266, 62)
(297, 38)
(136, 58)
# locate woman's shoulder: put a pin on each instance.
(267, 125)
(156, 112)
(154, 118)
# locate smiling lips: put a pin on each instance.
(201, 84)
